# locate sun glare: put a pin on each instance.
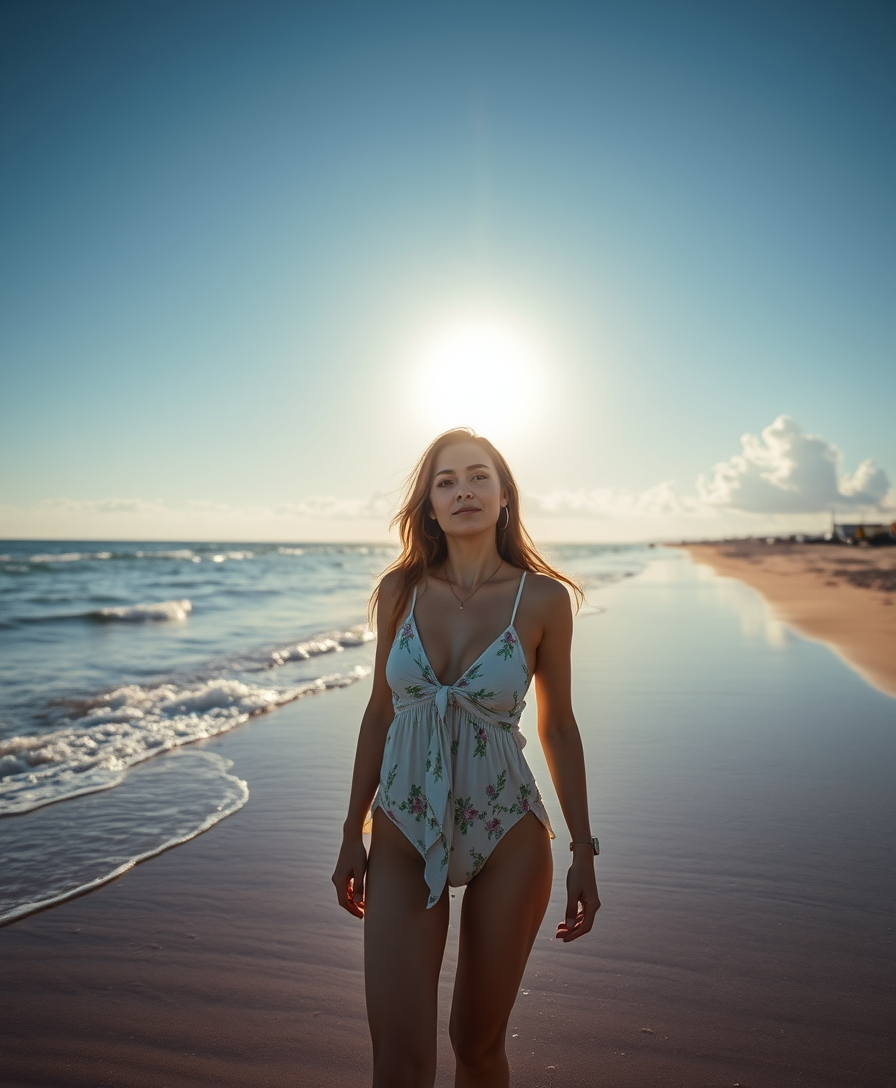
(481, 371)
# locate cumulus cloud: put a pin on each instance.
(784, 471)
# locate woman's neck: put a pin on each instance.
(470, 561)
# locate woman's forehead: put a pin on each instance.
(460, 456)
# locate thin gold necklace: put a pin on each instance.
(476, 590)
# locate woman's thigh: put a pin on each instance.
(503, 907)
(403, 947)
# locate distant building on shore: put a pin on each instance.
(866, 531)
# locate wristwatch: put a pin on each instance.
(593, 843)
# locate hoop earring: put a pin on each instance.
(501, 528)
(428, 535)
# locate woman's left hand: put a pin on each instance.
(582, 900)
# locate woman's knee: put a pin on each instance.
(475, 1047)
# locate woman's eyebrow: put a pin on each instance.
(451, 472)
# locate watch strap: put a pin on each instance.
(593, 842)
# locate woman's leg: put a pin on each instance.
(403, 947)
(503, 908)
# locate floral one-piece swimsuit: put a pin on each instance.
(454, 777)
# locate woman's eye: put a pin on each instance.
(445, 483)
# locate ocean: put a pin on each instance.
(119, 662)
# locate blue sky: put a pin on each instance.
(240, 240)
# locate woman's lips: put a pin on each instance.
(467, 510)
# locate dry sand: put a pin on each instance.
(841, 596)
(743, 797)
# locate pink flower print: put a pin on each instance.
(465, 814)
(490, 791)
(524, 805)
(493, 828)
(405, 636)
(508, 642)
(418, 805)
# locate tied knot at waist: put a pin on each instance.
(443, 693)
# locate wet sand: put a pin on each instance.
(740, 784)
(841, 596)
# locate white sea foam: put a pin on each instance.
(291, 551)
(131, 724)
(68, 557)
(177, 553)
(70, 849)
(139, 613)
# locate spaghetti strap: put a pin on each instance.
(519, 594)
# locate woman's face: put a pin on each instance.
(466, 493)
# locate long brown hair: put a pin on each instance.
(420, 551)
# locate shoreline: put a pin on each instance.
(842, 597)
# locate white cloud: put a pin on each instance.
(325, 506)
(316, 518)
(784, 471)
(609, 502)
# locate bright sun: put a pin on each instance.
(480, 371)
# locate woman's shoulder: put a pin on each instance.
(546, 592)
(389, 581)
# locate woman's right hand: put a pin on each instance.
(348, 876)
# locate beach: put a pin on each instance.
(842, 596)
(740, 781)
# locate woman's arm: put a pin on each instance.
(562, 745)
(351, 865)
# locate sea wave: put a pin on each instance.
(139, 613)
(66, 557)
(74, 848)
(177, 553)
(131, 724)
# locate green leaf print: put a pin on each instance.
(407, 633)
(391, 777)
(521, 805)
(477, 698)
(481, 738)
(415, 805)
(478, 861)
(415, 691)
(425, 670)
(469, 677)
(494, 790)
(465, 815)
(436, 767)
(508, 645)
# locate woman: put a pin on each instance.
(439, 747)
